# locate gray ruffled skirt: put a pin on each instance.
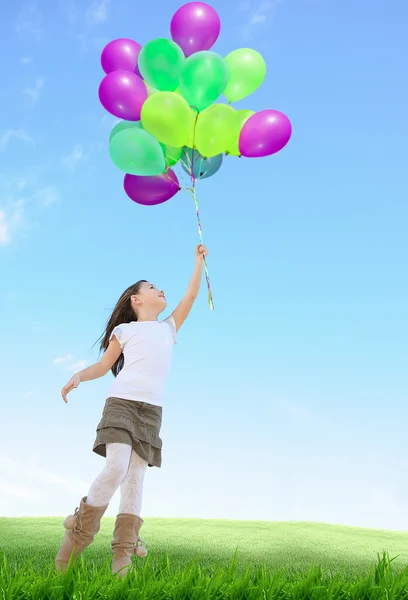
(137, 424)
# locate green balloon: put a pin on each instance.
(135, 151)
(168, 117)
(215, 127)
(122, 125)
(247, 70)
(233, 144)
(203, 79)
(172, 155)
(160, 63)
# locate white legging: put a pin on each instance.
(124, 468)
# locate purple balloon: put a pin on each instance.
(123, 94)
(265, 133)
(195, 27)
(151, 190)
(121, 54)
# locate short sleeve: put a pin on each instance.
(170, 322)
(118, 333)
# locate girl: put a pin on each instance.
(138, 350)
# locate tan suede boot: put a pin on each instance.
(126, 542)
(80, 530)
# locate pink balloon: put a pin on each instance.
(195, 26)
(265, 133)
(123, 94)
(151, 190)
(121, 54)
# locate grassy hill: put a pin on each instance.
(194, 554)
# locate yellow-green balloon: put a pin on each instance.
(167, 116)
(233, 144)
(247, 70)
(135, 151)
(215, 127)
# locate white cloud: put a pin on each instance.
(19, 492)
(18, 134)
(10, 469)
(26, 60)
(77, 155)
(20, 183)
(21, 197)
(70, 10)
(46, 196)
(97, 11)
(70, 484)
(244, 6)
(28, 394)
(78, 366)
(62, 359)
(10, 221)
(35, 92)
(71, 363)
(29, 21)
(90, 43)
(4, 229)
(258, 17)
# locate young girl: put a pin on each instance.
(138, 350)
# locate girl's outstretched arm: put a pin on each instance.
(182, 311)
(99, 369)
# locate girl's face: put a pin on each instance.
(150, 297)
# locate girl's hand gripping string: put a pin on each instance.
(182, 311)
(201, 253)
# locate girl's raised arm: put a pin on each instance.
(182, 311)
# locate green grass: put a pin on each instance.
(194, 559)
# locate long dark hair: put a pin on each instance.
(122, 313)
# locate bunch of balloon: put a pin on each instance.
(167, 95)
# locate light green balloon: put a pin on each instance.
(160, 63)
(168, 117)
(215, 127)
(135, 151)
(203, 79)
(247, 70)
(171, 155)
(233, 144)
(122, 125)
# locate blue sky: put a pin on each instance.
(289, 401)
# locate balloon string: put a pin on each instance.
(191, 191)
(200, 229)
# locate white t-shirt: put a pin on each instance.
(147, 349)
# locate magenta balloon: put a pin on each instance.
(265, 133)
(151, 190)
(195, 27)
(121, 54)
(123, 94)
